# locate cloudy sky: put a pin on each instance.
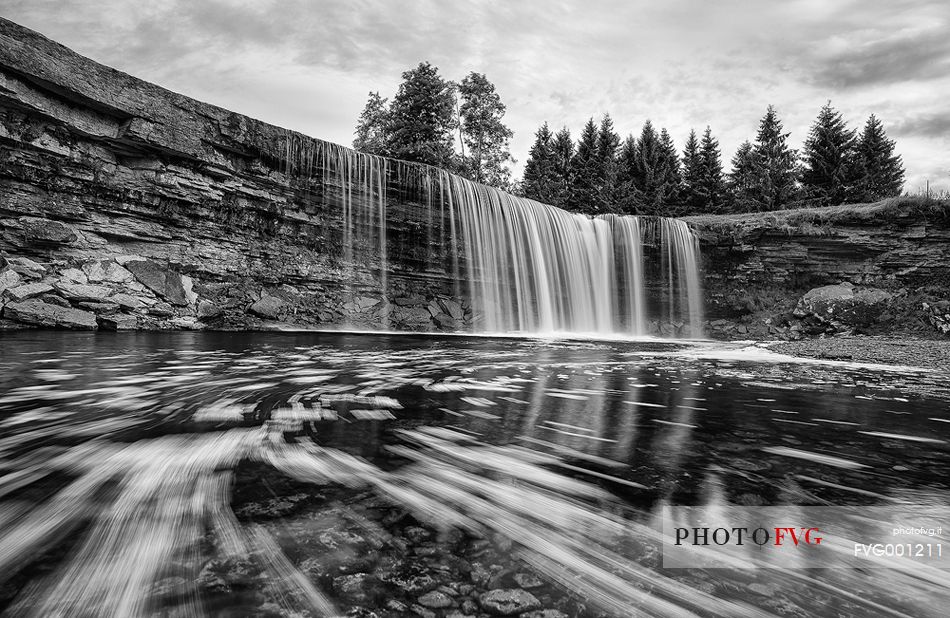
(308, 65)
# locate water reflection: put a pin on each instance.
(281, 474)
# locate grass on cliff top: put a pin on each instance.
(820, 221)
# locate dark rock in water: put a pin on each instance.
(46, 232)
(508, 602)
(22, 292)
(527, 580)
(160, 280)
(268, 307)
(118, 322)
(227, 575)
(37, 312)
(844, 304)
(436, 600)
(355, 588)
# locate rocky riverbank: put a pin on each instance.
(926, 353)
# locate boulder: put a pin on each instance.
(126, 301)
(46, 232)
(207, 309)
(22, 292)
(938, 314)
(508, 602)
(166, 283)
(95, 272)
(35, 311)
(843, 304)
(452, 308)
(9, 279)
(75, 276)
(114, 273)
(365, 302)
(411, 316)
(268, 307)
(78, 292)
(118, 321)
(26, 267)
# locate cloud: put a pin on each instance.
(904, 56)
(682, 63)
(934, 124)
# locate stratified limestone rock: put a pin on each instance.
(46, 232)
(127, 301)
(38, 313)
(268, 307)
(77, 292)
(843, 303)
(75, 276)
(164, 282)
(22, 292)
(26, 267)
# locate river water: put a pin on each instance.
(315, 474)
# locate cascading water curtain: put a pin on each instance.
(527, 267)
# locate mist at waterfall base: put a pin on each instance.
(524, 267)
(318, 474)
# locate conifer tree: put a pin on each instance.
(540, 181)
(372, 126)
(629, 199)
(646, 175)
(712, 183)
(606, 166)
(880, 173)
(694, 201)
(669, 177)
(776, 165)
(584, 170)
(562, 152)
(829, 173)
(743, 180)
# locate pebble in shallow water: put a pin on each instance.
(508, 602)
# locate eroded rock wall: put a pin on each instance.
(757, 267)
(124, 205)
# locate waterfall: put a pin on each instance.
(524, 266)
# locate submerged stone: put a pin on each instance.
(508, 602)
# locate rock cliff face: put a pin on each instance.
(893, 258)
(124, 205)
